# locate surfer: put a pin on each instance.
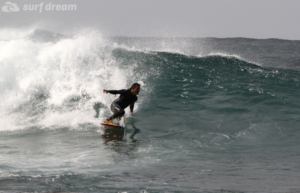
(126, 98)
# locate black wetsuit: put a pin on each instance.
(125, 99)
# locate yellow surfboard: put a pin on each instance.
(112, 125)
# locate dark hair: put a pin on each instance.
(134, 85)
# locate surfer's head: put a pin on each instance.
(135, 88)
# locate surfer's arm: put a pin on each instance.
(113, 91)
(131, 110)
(131, 107)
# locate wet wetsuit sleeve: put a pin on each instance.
(132, 104)
(116, 91)
(131, 107)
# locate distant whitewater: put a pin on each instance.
(213, 115)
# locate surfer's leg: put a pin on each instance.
(117, 110)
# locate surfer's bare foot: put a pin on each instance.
(108, 121)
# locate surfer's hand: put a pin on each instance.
(130, 114)
(105, 91)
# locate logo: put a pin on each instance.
(10, 7)
(13, 7)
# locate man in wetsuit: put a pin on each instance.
(126, 98)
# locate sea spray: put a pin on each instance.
(56, 77)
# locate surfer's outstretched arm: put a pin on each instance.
(114, 91)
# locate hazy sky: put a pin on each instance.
(167, 18)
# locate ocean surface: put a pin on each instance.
(214, 115)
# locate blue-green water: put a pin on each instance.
(213, 115)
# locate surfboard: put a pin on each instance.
(112, 125)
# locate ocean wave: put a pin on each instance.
(51, 79)
(62, 69)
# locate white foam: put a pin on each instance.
(7, 34)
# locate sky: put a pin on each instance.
(158, 18)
